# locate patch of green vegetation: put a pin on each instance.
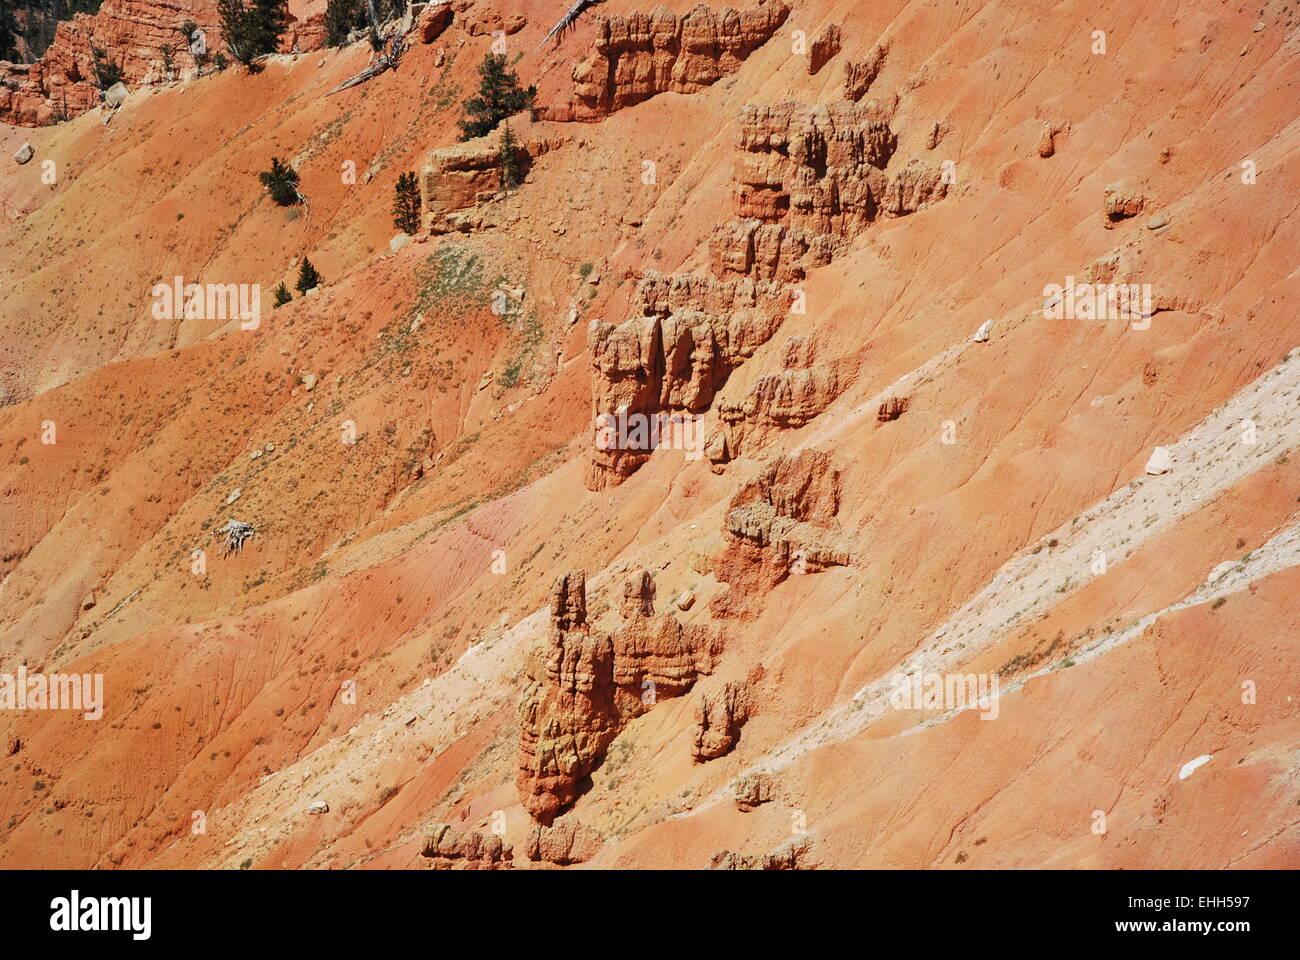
(1033, 657)
(451, 276)
(510, 375)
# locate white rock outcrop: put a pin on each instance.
(1161, 461)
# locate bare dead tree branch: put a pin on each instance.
(387, 61)
(568, 20)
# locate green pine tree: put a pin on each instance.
(511, 175)
(499, 96)
(8, 34)
(282, 182)
(308, 277)
(252, 28)
(107, 71)
(341, 18)
(282, 295)
(406, 203)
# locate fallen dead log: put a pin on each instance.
(388, 61)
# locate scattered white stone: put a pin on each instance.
(982, 334)
(234, 495)
(116, 95)
(308, 381)
(1161, 461)
(318, 807)
(1158, 221)
(1220, 570)
(398, 242)
(25, 153)
(1191, 766)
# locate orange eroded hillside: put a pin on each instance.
(818, 238)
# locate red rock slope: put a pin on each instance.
(466, 635)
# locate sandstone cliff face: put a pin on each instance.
(913, 187)
(584, 686)
(1122, 201)
(433, 20)
(480, 18)
(718, 720)
(785, 400)
(452, 849)
(826, 46)
(305, 35)
(643, 54)
(752, 791)
(861, 74)
(781, 522)
(564, 843)
(131, 32)
(892, 409)
(691, 334)
(809, 178)
(794, 855)
(1051, 129)
(814, 162)
(567, 715)
(457, 179)
(777, 401)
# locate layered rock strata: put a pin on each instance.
(584, 685)
(637, 56)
